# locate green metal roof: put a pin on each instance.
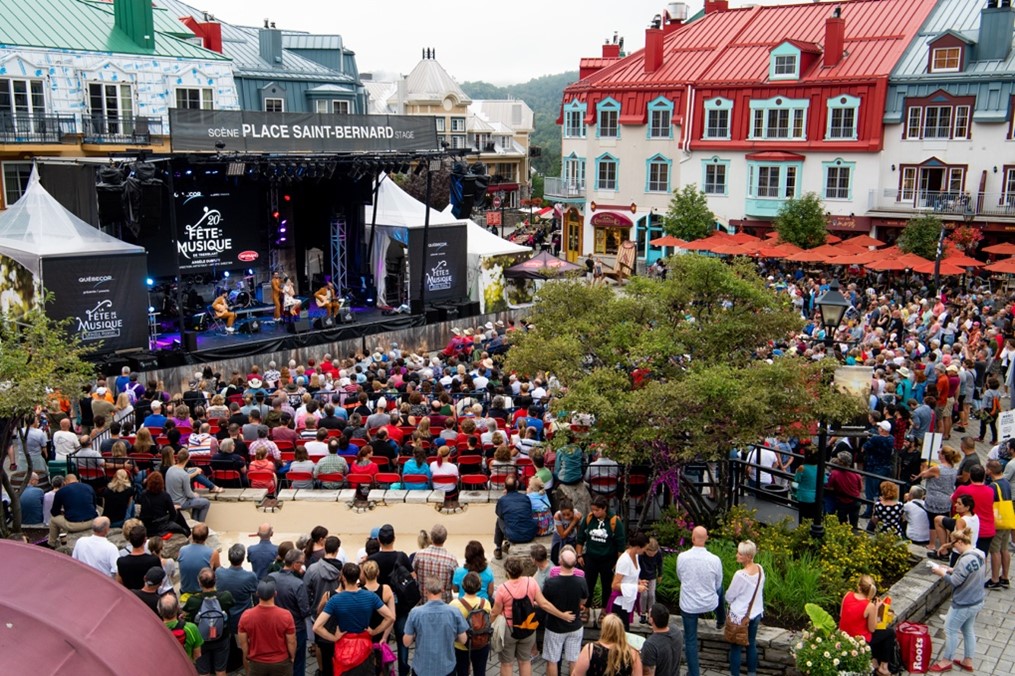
(88, 26)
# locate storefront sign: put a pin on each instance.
(850, 223)
(610, 219)
(259, 132)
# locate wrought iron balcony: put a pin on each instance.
(122, 130)
(25, 128)
(945, 203)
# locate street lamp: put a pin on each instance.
(832, 305)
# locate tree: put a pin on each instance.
(538, 181)
(694, 338)
(415, 185)
(802, 222)
(689, 217)
(39, 362)
(920, 236)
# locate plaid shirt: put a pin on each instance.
(435, 562)
(272, 449)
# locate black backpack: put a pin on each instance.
(524, 621)
(404, 585)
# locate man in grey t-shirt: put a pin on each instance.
(660, 656)
(179, 489)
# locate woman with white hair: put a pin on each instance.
(746, 600)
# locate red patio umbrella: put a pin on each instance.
(1005, 249)
(778, 250)
(808, 256)
(1006, 266)
(832, 239)
(947, 268)
(884, 264)
(62, 616)
(668, 240)
(859, 258)
(964, 261)
(736, 249)
(744, 238)
(864, 241)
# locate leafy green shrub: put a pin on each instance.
(673, 529)
(823, 650)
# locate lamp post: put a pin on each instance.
(832, 305)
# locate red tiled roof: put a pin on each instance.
(733, 47)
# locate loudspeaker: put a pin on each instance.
(468, 309)
(416, 306)
(110, 205)
(143, 362)
(323, 323)
(345, 316)
(249, 325)
(448, 312)
(190, 341)
(298, 326)
(114, 365)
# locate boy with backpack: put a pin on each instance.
(208, 610)
(476, 611)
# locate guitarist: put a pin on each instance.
(221, 308)
(325, 297)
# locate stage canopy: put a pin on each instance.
(96, 279)
(399, 214)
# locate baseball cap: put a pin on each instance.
(374, 532)
(155, 576)
(885, 425)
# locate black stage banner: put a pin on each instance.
(104, 296)
(445, 267)
(218, 229)
(250, 131)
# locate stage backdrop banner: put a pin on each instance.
(103, 295)
(446, 264)
(220, 229)
(251, 131)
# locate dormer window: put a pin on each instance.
(946, 60)
(784, 66)
(787, 60)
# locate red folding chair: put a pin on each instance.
(475, 482)
(470, 462)
(292, 477)
(287, 456)
(358, 443)
(416, 479)
(359, 481)
(336, 478)
(385, 479)
(260, 478)
(497, 481)
(285, 445)
(380, 461)
(230, 477)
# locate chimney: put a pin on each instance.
(135, 18)
(674, 16)
(270, 44)
(210, 32)
(611, 51)
(997, 22)
(715, 6)
(653, 49)
(835, 37)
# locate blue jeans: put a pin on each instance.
(300, 662)
(871, 489)
(961, 620)
(690, 621)
(752, 650)
(398, 629)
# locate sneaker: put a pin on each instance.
(1004, 583)
(643, 618)
(507, 547)
(992, 585)
(497, 554)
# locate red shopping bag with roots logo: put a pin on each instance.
(914, 644)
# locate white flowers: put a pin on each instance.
(835, 662)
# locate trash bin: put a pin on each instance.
(774, 493)
(915, 647)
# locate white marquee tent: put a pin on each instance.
(398, 212)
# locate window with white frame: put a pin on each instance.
(110, 106)
(274, 105)
(838, 180)
(608, 119)
(574, 120)
(946, 59)
(195, 98)
(574, 172)
(440, 123)
(658, 175)
(715, 176)
(660, 118)
(15, 177)
(606, 173)
(458, 141)
(772, 181)
(458, 124)
(907, 185)
(331, 107)
(938, 122)
(842, 118)
(21, 98)
(779, 118)
(717, 118)
(784, 65)
(1009, 187)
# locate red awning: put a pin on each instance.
(610, 219)
(775, 156)
(502, 187)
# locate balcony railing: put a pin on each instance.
(18, 128)
(944, 203)
(563, 187)
(122, 130)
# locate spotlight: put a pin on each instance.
(250, 271)
(151, 309)
(226, 274)
(150, 282)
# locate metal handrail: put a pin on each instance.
(128, 130)
(31, 128)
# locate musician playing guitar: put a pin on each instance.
(220, 306)
(276, 293)
(326, 297)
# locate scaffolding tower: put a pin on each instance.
(339, 274)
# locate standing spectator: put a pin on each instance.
(239, 582)
(267, 636)
(983, 497)
(192, 558)
(940, 484)
(968, 593)
(651, 564)
(389, 559)
(601, 539)
(661, 653)
(149, 593)
(746, 597)
(700, 575)
(347, 614)
(292, 596)
(437, 562)
(475, 562)
(878, 454)
(565, 528)
(845, 485)
(627, 583)
(322, 578)
(969, 459)
(469, 653)
(214, 649)
(888, 512)
(73, 509)
(178, 486)
(96, 550)
(567, 591)
(435, 627)
(610, 654)
(1000, 554)
(169, 611)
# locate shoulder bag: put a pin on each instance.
(736, 633)
(1004, 512)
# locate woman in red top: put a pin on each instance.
(859, 617)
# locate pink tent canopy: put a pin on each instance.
(62, 616)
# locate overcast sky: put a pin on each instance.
(500, 42)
